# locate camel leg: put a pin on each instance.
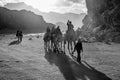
(54, 44)
(61, 45)
(48, 45)
(74, 43)
(44, 45)
(64, 46)
(56, 47)
(51, 45)
(69, 47)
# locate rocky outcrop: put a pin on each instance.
(103, 19)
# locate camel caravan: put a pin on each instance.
(55, 40)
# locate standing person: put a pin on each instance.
(21, 36)
(79, 48)
(70, 25)
(17, 35)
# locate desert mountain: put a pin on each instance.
(51, 17)
(11, 20)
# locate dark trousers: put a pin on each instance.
(18, 38)
(21, 38)
(78, 56)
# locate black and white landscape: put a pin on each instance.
(30, 59)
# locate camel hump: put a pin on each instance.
(70, 34)
(70, 31)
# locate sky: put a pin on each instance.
(60, 6)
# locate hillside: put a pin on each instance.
(27, 21)
(51, 17)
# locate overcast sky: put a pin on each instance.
(61, 6)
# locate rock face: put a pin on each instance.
(103, 19)
(12, 20)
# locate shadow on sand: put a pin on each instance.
(73, 71)
(14, 43)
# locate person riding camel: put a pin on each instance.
(48, 30)
(70, 25)
(58, 30)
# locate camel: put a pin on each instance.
(56, 38)
(47, 39)
(70, 37)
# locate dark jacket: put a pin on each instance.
(78, 46)
(17, 34)
(20, 34)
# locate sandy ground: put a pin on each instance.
(29, 61)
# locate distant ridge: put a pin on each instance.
(11, 20)
(51, 17)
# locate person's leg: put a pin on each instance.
(78, 56)
(20, 38)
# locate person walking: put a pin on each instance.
(79, 48)
(17, 35)
(21, 36)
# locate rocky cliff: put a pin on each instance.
(103, 19)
